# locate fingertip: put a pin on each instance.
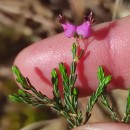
(108, 46)
(37, 60)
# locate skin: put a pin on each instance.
(104, 126)
(108, 45)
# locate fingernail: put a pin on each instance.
(104, 126)
(87, 127)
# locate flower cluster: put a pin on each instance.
(82, 30)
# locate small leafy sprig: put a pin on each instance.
(28, 94)
(110, 108)
(35, 98)
(105, 102)
(103, 82)
(68, 106)
(104, 98)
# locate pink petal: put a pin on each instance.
(69, 29)
(84, 29)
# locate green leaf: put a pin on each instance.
(20, 78)
(54, 73)
(74, 50)
(73, 67)
(16, 70)
(20, 91)
(54, 78)
(62, 68)
(100, 73)
(14, 98)
(72, 80)
(75, 91)
(107, 79)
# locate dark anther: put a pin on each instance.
(90, 18)
(62, 19)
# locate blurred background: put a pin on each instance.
(22, 22)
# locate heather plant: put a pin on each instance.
(68, 106)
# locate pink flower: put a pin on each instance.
(82, 30)
(69, 29)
